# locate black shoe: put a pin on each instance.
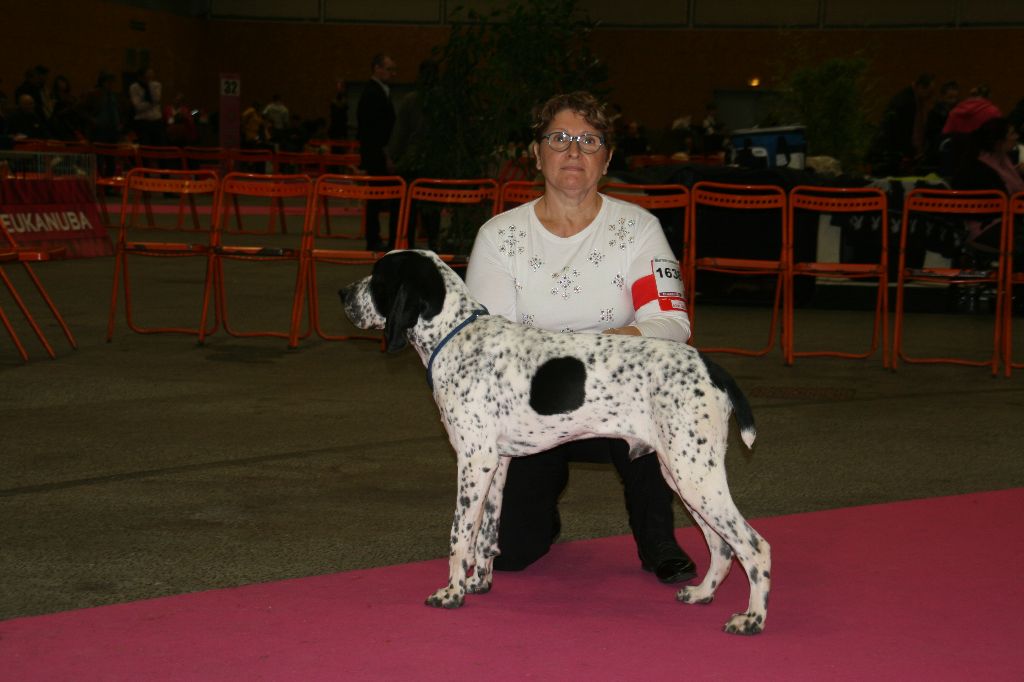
(377, 246)
(668, 562)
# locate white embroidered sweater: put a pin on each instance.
(618, 271)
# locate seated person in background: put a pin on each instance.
(989, 167)
(576, 261)
(25, 121)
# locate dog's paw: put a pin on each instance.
(744, 624)
(446, 598)
(479, 582)
(693, 594)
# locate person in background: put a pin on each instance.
(402, 149)
(276, 114)
(949, 95)
(181, 123)
(26, 122)
(375, 117)
(101, 110)
(255, 133)
(35, 85)
(338, 127)
(900, 144)
(65, 123)
(145, 95)
(576, 261)
(989, 166)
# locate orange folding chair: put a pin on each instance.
(741, 256)
(452, 193)
(174, 242)
(865, 202)
(346, 188)
(229, 244)
(11, 252)
(516, 192)
(959, 205)
(1013, 279)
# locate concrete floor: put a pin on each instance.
(150, 466)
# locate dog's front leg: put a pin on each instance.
(487, 537)
(476, 471)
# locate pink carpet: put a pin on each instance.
(923, 590)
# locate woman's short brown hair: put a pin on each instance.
(581, 102)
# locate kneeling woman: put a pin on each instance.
(577, 261)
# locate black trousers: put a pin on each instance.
(374, 162)
(529, 512)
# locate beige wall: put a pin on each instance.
(656, 74)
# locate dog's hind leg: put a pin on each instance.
(487, 537)
(476, 469)
(728, 533)
(721, 555)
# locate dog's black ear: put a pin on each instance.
(405, 311)
(405, 286)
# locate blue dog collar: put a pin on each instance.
(430, 364)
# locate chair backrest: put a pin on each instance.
(650, 196)
(858, 200)
(955, 202)
(161, 157)
(746, 197)
(121, 156)
(143, 184)
(238, 157)
(466, 192)
(276, 188)
(213, 158)
(354, 187)
(336, 146)
(515, 192)
(444, 191)
(314, 164)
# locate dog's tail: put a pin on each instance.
(740, 407)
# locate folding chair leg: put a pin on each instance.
(14, 336)
(28, 315)
(50, 304)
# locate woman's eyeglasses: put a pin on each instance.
(560, 140)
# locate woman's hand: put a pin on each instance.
(625, 331)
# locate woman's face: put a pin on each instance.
(571, 169)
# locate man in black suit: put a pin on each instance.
(375, 117)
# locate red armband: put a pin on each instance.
(664, 285)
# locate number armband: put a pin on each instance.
(664, 285)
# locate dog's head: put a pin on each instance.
(404, 287)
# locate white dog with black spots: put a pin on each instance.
(507, 390)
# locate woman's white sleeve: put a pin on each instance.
(489, 278)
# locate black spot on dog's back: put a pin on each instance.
(558, 386)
